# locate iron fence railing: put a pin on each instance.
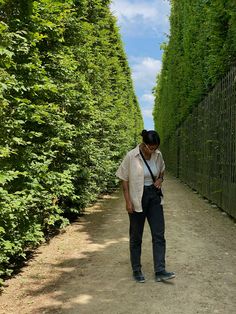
(202, 152)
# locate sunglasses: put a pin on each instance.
(151, 148)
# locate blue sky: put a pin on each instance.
(144, 25)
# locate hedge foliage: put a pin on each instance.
(68, 114)
(200, 50)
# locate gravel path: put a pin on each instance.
(86, 268)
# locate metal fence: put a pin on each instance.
(202, 152)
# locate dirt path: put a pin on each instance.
(86, 269)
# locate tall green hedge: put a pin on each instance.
(68, 114)
(200, 50)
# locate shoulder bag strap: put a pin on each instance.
(153, 178)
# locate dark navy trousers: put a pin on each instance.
(153, 211)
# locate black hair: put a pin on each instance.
(151, 137)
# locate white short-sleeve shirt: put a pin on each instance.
(132, 170)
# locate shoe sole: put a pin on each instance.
(140, 280)
(165, 278)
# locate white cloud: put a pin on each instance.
(147, 113)
(147, 19)
(127, 10)
(145, 71)
(147, 102)
(147, 14)
(148, 98)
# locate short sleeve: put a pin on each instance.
(123, 170)
(162, 164)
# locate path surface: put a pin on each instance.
(86, 269)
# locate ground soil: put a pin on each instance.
(86, 269)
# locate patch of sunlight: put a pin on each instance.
(110, 197)
(125, 239)
(96, 247)
(82, 299)
(68, 269)
(95, 208)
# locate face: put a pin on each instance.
(151, 147)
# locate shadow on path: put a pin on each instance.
(87, 269)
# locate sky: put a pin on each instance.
(144, 26)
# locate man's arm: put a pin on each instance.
(129, 205)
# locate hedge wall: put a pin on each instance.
(200, 49)
(68, 114)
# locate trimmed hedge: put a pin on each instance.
(68, 115)
(200, 51)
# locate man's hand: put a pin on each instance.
(129, 207)
(158, 183)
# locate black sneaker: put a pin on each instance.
(164, 275)
(138, 276)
